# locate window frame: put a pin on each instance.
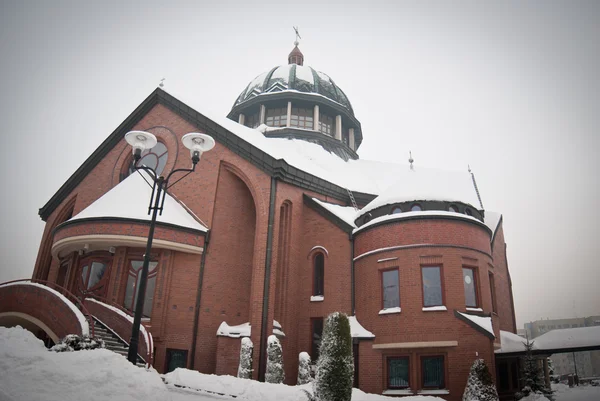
(388, 376)
(137, 256)
(453, 206)
(127, 168)
(442, 286)
(492, 282)
(381, 273)
(475, 286)
(416, 205)
(394, 209)
(99, 257)
(315, 276)
(422, 371)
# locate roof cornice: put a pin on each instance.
(277, 168)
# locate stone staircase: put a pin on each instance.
(114, 343)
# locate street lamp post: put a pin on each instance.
(140, 141)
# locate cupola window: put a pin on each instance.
(277, 117)
(302, 118)
(453, 209)
(346, 136)
(252, 121)
(396, 210)
(326, 124)
(468, 212)
(416, 208)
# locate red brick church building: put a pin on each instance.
(281, 224)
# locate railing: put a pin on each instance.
(150, 340)
(66, 293)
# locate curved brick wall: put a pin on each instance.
(127, 228)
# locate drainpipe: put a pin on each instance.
(265, 307)
(352, 297)
(198, 298)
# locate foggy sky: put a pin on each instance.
(511, 88)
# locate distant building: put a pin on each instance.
(587, 363)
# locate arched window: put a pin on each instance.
(155, 158)
(368, 218)
(453, 209)
(134, 276)
(396, 210)
(416, 208)
(93, 275)
(468, 212)
(319, 274)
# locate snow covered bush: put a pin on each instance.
(480, 386)
(304, 368)
(74, 342)
(335, 366)
(245, 366)
(274, 373)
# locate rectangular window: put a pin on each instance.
(493, 292)
(470, 285)
(433, 372)
(317, 331)
(134, 277)
(390, 289)
(432, 286)
(277, 117)
(398, 372)
(176, 358)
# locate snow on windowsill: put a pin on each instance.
(433, 392)
(85, 328)
(388, 311)
(434, 308)
(475, 309)
(317, 298)
(398, 392)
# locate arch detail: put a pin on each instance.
(6, 317)
(316, 249)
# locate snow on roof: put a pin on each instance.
(346, 213)
(578, 337)
(371, 177)
(424, 184)
(492, 219)
(129, 200)
(304, 73)
(282, 72)
(357, 330)
(510, 343)
(244, 330)
(485, 322)
(422, 213)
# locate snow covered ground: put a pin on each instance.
(577, 393)
(29, 372)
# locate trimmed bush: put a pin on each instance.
(274, 373)
(245, 366)
(335, 366)
(74, 342)
(304, 368)
(480, 386)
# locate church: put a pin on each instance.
(281, 224)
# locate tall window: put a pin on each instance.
(398, 372)
(93, 277)
(470, 285)
(493, 292)
(326, 124)
(319, 273)
(302, 118)
(346, 136)
(277, 117)
(432, 286)
(390, 289)
(155, 158)
(433, 372)
(134, 276)
(316, 334)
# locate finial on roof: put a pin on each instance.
(410, 160)
(296, 56)
(162, 83)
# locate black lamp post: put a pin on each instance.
(140, 140)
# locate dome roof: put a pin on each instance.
(295, 77)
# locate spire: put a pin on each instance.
(296, 56)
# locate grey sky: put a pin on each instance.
(511, 88)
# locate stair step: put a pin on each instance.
(114, 343)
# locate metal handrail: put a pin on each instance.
(66, 293)
(150, 350)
